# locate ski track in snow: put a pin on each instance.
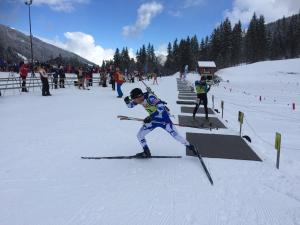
(44, 181)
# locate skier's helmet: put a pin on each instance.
(136, 93)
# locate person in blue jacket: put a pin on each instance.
(158, 117)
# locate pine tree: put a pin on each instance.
(236, 56)
(169, 64)
(194, 52)
(251, 40)
(226, 43)
(215, 47)
(117, 58)
(261, 40)
(176, 55)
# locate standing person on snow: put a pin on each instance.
(44, 78)
(155, 78)
(119, 78)
(112, 79)
(62, 77)
(159, 117)
(23, 74)
(55, 73)
(202, 88)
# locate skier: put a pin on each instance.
(159, 117)
(155, 78)
(185, 72)
(202, 88)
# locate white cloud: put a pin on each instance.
(162, 50)
(84, 45)
(175, 13)
(131, 53)
(60, 5)
(191, 3)
(146, 13)
(272, 9)
(178, 10)
(162, 53)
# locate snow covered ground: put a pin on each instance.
(43, 180)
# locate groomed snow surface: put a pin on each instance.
(43, 180)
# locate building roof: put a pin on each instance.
(207, 64)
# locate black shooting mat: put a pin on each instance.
(182, 92)
(185, 109)
(186, 102)
(193, 98)
(186, 90)
(187, 94)
(221, 146)
(200, 122)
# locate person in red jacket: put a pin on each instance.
(23, 74)
(119, 78)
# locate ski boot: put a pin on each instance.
(194, 116)
(145, 154)
(193, 149)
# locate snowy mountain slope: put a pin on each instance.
(44, 181)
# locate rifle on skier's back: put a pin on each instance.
(149, 90)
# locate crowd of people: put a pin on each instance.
(55, 74)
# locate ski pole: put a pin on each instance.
(204, 167)
(139, 119)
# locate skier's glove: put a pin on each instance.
(147, 119)
(127, 100)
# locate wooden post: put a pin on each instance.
(213, 101)
(222, 106)
(277, 147)
(241, 120)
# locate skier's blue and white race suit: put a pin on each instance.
(159, 118)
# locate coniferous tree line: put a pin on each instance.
(146, 60)
(228, 45)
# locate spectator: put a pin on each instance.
(55, 76)
(112, 80)
(119, 78)
(80, 78)
(44, 78)
(90, 77)
(23, 74)
(62, 77)
(104, 79)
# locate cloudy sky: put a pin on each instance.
(94, 29)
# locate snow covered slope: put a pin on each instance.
(44, 181)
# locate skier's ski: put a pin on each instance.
(204, 167)
(132, 157)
